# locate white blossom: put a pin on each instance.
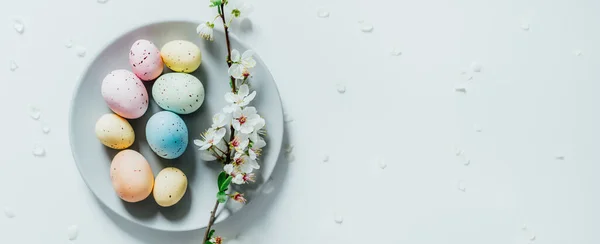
(240, 142)
(242, 98)
(209, 155)
(220, 120)
(238, 179)
(256, 149)
(260, 123)
(238, 9)
(228, 169)
(241, 65)
(211, 137)
(245, 163)
(245, 120)
(205, 30)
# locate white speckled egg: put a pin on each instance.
(178, 92)
(125, 94)
(181, 56)
(145, 60)
(169, 187)
(131, 176)
(114, 132)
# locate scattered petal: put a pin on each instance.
(470, 77)
(338, 218)
(81, 51)
(461, 186)
(396, 52)
(560, 157)
(525, 27)
(34, 112)
(476, 67)
(467, 162)
(69, 43)
(532, 238)
(365, 27)
(38, 151)
(458, 152)
(9, 213)
(326, 158)
(72, 232)
(382, 164)
(578, 53)
(13, 65)
(18, 26)
(322, 13)
(102, 1)
(477, 128)
(341, 88)
(45, 129)
(524, 227)
(463, 72)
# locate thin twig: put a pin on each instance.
(211, 221)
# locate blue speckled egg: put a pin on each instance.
(167, 134)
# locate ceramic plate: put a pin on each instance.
(93, 159)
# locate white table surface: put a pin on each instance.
(534, 100)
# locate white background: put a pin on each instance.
(535, 99)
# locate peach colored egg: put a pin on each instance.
(131, 176)
(145, 60)
(125, 94)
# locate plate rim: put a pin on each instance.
(113, 39)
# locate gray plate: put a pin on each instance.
(93, 159)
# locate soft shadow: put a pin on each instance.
(179, 210)
(145, 209)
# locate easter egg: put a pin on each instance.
(178, 92)
(125, 94)
(169, 187)
(167, 134)
(181, 56)
(114, 132)
(131, 176)
(145, 60)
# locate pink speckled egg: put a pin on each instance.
(125, 94)
(131, 176)
(145, 60)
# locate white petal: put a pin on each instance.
(205, 146)
(249, 63)
(228, 168)
(199, 142)
(246, 128)
(246, 168)
(236, 71)
(252, 154)
(230, 97)
(243, 144)
(220, 134)
(238, 179)
(237, 113)
(260, 123)
(250, 97)
(235, 55)
(254, 136)
(247, 54)
(259, 144)
(229, 109)
(244, 90)
(236, 125)
(200, 27)
(207, 156)
(249, 111)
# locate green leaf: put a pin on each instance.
(215, 3)
(222, 177)
(221, 197)
(208, 242)
(225, 185)
(211, 233)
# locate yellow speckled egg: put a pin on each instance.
(114, 132)
(170, 186)
(131, 176)
(181, 56)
